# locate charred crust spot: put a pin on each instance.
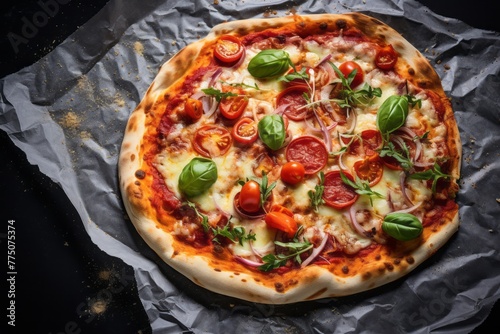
(389, 266)
(217, 270)
(176, 253)
(367, 275)
(381, 268)
(345, 269)
(293, 282)
(423, 84)
(243, 280)
(323, 25)
(218, 249)
(140, 174)
(236, 274)
(411, 71)
(279, 287)
(410, 260)
(137, 183)
(132, 157)
(378, 257)
(397, 262)
(341, 24)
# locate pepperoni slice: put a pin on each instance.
(337, 194)
(309, 151)
(293, 98)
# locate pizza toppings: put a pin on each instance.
(336, 192)
(245, 131)
(293, 172)
(197, 176)
(250, 197)
(402, 226)
(329, 128)
(309, 151)
(269, 63)
(212, 141)
(272, 131)
(228, 49)
(352, 69)
(386, 58)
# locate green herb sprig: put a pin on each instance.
(316, 195)
(361, 187)
(236, 234)
(433, 174)
(353, 98)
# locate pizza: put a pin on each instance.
(289, 159)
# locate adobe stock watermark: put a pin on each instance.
(31, 25)
(444, 297)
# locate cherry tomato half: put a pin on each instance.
(282, 222)
(293, 172)
(245, 131)
(293, 96)
(228, 49)
(212, 141)
(386, 58)
(250, 196)
(232, 107)
(193, 108)
(309, 151)
(370, 169)
(347, 67)
(336, 193)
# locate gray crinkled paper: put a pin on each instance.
(68, 112)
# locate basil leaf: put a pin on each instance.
(197, 176)
(272, 131)
(402, 226)
(392, 114)
(269, 63)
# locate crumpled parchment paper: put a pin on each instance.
(68, 112)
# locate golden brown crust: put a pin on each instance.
(217, 271)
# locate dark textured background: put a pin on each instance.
(61, 274)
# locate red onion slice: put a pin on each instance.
(402, 182)
(355, 223)
(248, 262)
(316, 251)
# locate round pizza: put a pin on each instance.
(290, 159)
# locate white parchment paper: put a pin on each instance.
(68, 112)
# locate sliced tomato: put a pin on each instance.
(232, 107)
(336, 193)
(212, 141)
(386, 58)
(309, 151)
(194, 109)
(282, 209)
(291, 99)
(250, 196)
(368, 143)
(245, 131)
(282, 222)
(348, 67)
(370, 169)
(228, 49)
(293, 172)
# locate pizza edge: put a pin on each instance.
(313, 282)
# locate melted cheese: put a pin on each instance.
(239, 164)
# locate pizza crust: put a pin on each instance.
(313, 282)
